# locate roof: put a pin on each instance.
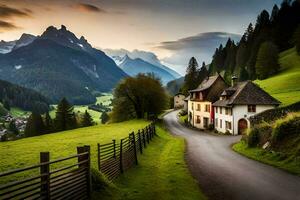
(206, 83)
(187, 98)
(246, 93)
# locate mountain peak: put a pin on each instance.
(63, 28)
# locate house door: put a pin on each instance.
(205, 122)
(242, 126)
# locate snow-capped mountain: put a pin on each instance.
(135, 66)
(58, 64)
(6, 47)
(25, 39)
(149, 57)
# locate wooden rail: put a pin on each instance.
(115, 158)
(69, 182)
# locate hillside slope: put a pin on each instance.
(285, 86)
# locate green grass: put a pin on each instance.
(105, 100)
(269, 157)
(285, 86)
(161, 173)
(183, 118)
(25, 152)
(18, 112)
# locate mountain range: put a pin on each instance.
(136, 61)
(58, 64)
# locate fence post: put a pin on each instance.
(114, 142)
(147, 132)
(121, 156)
(99, 164)
(144, 139)
(140, 142)
(88, 166)
(134, 145)
(45, 174)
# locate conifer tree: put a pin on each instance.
(87, 120)
(267, 60)
(105, 117)
(65, 118)
(35, 125)
(191, 77)
(48, 123)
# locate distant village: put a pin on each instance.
(12, 126)
(214, 105)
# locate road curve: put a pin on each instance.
(224, 174)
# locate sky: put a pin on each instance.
(174, 30)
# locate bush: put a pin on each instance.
(284, 127)
(211, 127)
(253, 137)
(182, 113)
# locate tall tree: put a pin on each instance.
(296, 39)
(48, 123)
(87, 120)
(65, 118)
(104, 118)
(191, 77)
(267, 60)
(143, 94)
(35, 125)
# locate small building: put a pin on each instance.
(237, 103)
(200, 110)
(186, 101)
(179, 100)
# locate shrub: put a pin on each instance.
(284, 127)
(253, 137)
(211, 127)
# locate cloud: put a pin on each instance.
(7, 26)
(201, 46)
(9, 12)
(83, 7)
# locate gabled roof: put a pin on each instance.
(206, 83)
(187, 98)
(246, 93)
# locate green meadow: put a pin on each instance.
(285, 86)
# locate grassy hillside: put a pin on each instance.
(105, 100)
(285, 86)
(161, 173)
(24, 152)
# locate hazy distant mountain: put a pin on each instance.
(174, 86)
(118, 54)
(25, 39)
(6, 47)
(58, 64)
(135, 66)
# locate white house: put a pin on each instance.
(237, 104)
(179, 100)
(200, 110)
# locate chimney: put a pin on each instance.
(233, 80)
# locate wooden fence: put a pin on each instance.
(68, 182)
(114, 158)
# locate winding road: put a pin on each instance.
(224, 174)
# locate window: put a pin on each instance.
(192, 106)
(216, 109)
(207, 108)
(198, 120)
(228, 111)
(220, 110)
(252, 108)
(198, 107)
(228, 125)
(220, 123)
(216, 122)
(197, 95)
(205, 122)
(201, 96)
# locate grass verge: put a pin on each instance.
(161, 174)
(268, 157)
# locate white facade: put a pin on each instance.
(199, 114)
(232, 118)
(179, 101)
